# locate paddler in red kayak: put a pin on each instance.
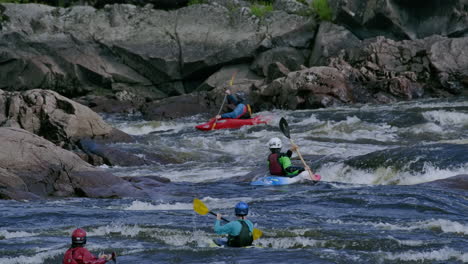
(78, 254)
(241, 110)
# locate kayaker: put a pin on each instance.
(241, 110)
(78, 254)
(239, 231)
(280, 163)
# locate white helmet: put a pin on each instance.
(274, 143)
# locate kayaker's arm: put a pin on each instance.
(225, 229)
(232, 99)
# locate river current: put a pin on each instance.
(372, 205)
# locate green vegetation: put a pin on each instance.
(196, 2)
(3, 17)
(260, 9)
(322, 9)
(9, 1)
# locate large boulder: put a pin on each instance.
(177, 106)
(449, 59)
(54, 117)
(146, 54)
(32, 165)
(405, 69)
(331, 40)
(291, 58)
(309, 88)
(401, 19)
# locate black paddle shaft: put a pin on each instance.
(222, 218)
(283, 124)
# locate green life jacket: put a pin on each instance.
(245, 237)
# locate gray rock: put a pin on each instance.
(276, 70)
(240, 74)
(138, 53)
(32, 166)
(111, 155)
(291, 58)
(449, 58)
(330, 41)
(176, 106)
(54, 117)
(289, 6)
(304, 89)
(402, 19)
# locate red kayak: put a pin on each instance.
(232, 123)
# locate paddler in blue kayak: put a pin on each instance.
(240, 231)
(280, 163)
(241, 110)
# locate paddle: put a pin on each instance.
(224, 100)
(283, 124)
(202, 209)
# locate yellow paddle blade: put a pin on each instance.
(257, 233)
(232, 78)
(200, 207)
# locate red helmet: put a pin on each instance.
(79, 236)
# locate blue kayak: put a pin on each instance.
(275, 180)
(269, 180)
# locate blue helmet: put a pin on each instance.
(241, 209)
(241, 96)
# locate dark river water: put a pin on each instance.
(372, 205)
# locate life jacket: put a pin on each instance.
(274, 164)
(68, 257)
(80, 255)
(246, 113)
(245, 237)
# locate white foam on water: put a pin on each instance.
(14, 234)
(340, 172)
(354, 128)
(426, 104)
(446, 226)
(225, 203)
(411, 243)
(178, 237)
(146, 206)
(124, 230)
(34, 259)
(447, 118)
(146, 127)
(203, 174)
(312, 120)
(425, 128)
(288, 242)
(443, 254)
(431, 173)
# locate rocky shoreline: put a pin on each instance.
(169, 64)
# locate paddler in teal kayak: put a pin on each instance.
(240, 231)
(280, 163)
(241, 110)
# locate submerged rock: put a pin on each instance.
(455, 182)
